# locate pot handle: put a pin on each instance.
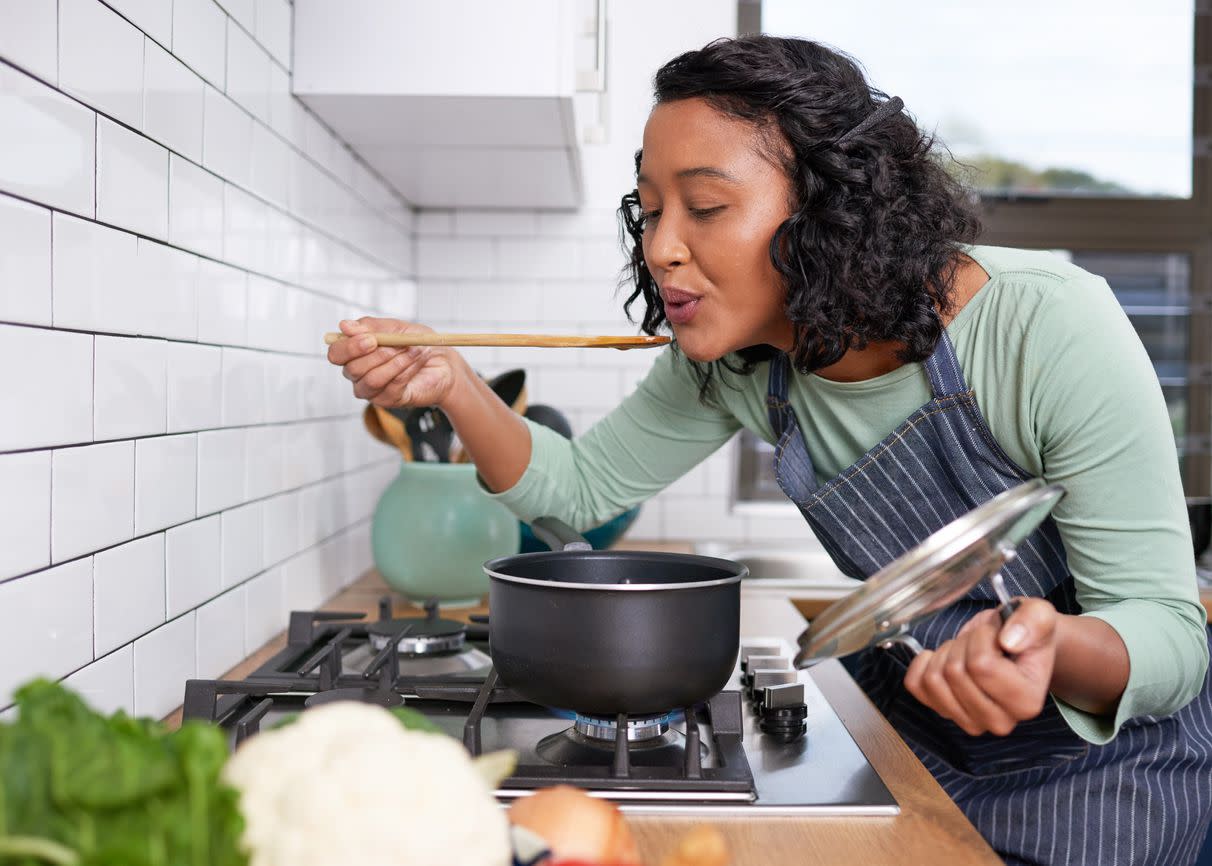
(558, 535)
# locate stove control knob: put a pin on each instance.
(769, 662)
(764, 677)
(783, 712)
(756, 649)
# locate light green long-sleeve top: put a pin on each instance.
(1066, 389)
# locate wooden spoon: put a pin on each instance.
(534, 340)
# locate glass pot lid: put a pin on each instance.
(927, 578)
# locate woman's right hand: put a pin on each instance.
(394, 377)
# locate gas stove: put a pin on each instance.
(768, 744)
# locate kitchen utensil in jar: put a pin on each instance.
(388, 427)
(548, 341)
(937, 572)
(604, 632)
(430, 432)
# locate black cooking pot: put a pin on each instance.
(604, 632)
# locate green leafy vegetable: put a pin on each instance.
(81, 789)
(414, 721)
(288, 719)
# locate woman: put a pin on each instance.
(816, 267)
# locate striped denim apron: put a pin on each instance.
(1042, 794)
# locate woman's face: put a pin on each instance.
(712, 203)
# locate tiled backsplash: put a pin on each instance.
(179, 465)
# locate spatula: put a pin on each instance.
(549, 341)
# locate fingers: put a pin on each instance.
(386, 383)
(985, 617)
(929, 685)
(382, 360)
(977, 672)
(360, 344)
(373, 368)
(1032, 625)
(971, 680)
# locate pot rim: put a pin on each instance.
(740, 571)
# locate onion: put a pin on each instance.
(703, 845)
(577, 826)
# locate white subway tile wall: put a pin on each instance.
(130, 392)
(101, 60)
(173, 100)
(163, 660)
(128, 592)
(53, 159)
(53, 611)
(27, 418)
(132, 180)
(25, 510)
(25, 263)
(179, 464)
(221, 629)
(108, 683)
(28, 38)
(92, 498)
(166, 481)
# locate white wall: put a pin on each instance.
(179, 465)
(556, 272)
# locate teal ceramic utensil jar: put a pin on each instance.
(433, 530)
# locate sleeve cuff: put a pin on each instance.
(1159, 680)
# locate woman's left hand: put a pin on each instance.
(971, 679)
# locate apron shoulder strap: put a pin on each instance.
(776, 394)
(946, 378)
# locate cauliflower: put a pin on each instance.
(347, 783)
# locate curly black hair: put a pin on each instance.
(869, 252)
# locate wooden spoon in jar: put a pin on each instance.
(548, 341)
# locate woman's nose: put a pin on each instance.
(664, 247)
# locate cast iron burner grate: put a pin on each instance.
(333, 647)
(426, 636)
(623, 769)
(651, 742)
(630, 766)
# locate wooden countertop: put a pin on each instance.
(930, 828)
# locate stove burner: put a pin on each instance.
(366, 696)
(651, 742)
(425, 637)
(640, 728)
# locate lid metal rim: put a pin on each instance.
(617, 587)
(859, 607)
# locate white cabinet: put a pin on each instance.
(458, 103)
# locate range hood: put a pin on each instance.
(458, 103)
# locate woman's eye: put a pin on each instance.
(647, 216)
(706, 212)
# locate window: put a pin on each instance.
(1084, 126)
(1040, 97)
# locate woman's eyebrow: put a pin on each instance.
(708, 171)
(699, 171)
